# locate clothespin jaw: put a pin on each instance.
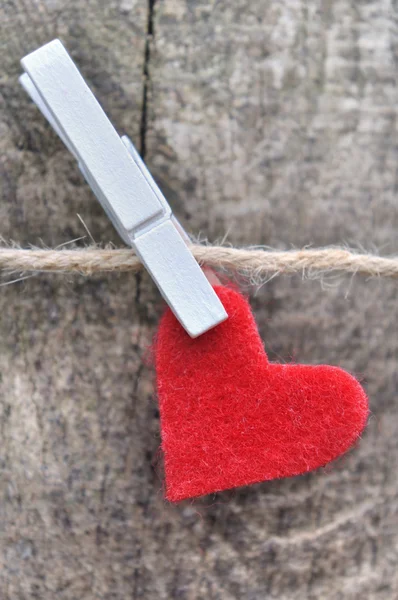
(122, 183)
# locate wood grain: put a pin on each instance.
(271, 123)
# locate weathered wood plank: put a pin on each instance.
(78, 419)
(274, 123)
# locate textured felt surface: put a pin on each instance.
(229, 417)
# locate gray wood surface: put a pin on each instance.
(269, 123)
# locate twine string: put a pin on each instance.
(256, 264)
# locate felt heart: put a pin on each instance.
(229, 417)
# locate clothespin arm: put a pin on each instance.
(123, 185)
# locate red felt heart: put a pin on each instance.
(229, 417)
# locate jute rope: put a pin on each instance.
(254, 263)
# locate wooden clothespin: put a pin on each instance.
(122, 183)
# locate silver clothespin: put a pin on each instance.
(122, 183)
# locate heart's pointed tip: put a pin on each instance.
(173, 499)
(174, 490)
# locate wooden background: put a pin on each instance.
(271, 123)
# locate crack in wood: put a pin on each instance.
(146, 77)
